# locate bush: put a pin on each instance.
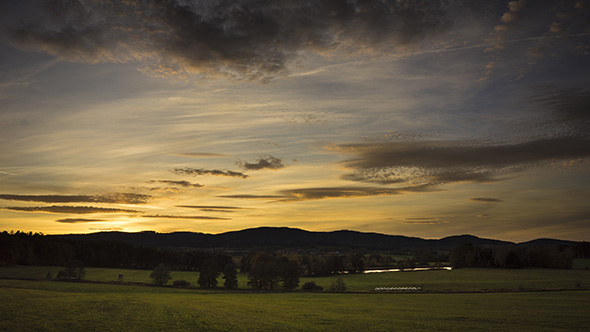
(73, 271)
(181, 283)
(338, 286)
(160, 275)
(311, 286)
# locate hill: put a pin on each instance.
(284, 237)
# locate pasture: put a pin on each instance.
(461, 280)
(62, 306)
(39, 305)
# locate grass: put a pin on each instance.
(582, 263)
(439, 280)
(61, 306)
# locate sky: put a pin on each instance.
(418, 118)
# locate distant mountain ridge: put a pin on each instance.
(285, 237)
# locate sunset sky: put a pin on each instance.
(418, 118)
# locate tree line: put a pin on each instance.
(513, 257)
(37, 249)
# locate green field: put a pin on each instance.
(441, 280)
(40, 305)
(63, 306)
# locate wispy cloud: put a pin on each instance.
(264, 162)
(117, 198)
(78, 220)
(439, 162)
(70, 209)
(247, 196)
(214, 172)
(166, 216)
(423, 221)
(201, 155)
(486, 200)
(211, 207)
(240, 39)
(568, 107)
(348, 192)
(185, 184)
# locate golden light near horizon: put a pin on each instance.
(431, 119)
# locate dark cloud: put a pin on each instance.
(347, 192)
(486, 200)
(438, 162)
(178, 183)
(252, 196)
(162, 216)
(214, 208)
(69, 209)
(570, 107)
(200, 171)
(117, 198)
(373, 175)
(265, 162)
(243, 39)
(78, 220)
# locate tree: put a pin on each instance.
(311, 286)
(230, 276)
(73, 271)
(338, 286)
(264, 272)
(459, 255)
(356, 262)
(208, 273)
(160, 275)
(181, 283)
(290, 275)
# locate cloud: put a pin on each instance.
(215, 210)
(69, 209)
(201, 155)
(486, 200)
(162, 216)
(78, 220)
(438, 162)
(245, 196)
(381, 176)
(306, 118)
(243, 39)
(303, 194)
(570, 107)
(265, 162)
(210, 207)
(200, 171)
(178, 183)
(423, 221)
(117, 198)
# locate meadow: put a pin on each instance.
(459, 280)
(40, 305)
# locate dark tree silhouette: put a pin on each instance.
(338, 285)
(290, 275)
(161, 275)
(73, 271)
(230, 276)
(208, 273)
(311, 286)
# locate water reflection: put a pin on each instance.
(448, 268)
